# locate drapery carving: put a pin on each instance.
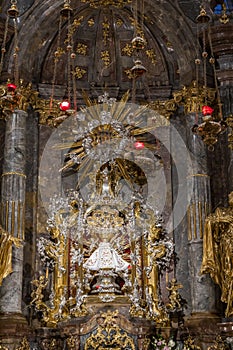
(6, 243)
(218, 251)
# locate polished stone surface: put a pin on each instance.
(13, 206)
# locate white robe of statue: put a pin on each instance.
(105, 257)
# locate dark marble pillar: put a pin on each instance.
(12, 208)
(32, 165)
(222, 46)
(180, 159)
(203, 291)
(222, 38)
(225, 76)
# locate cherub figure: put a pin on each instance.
(37, 294)
(174, 296)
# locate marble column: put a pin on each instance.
(12, 209)
(222, 37)
(225, 76)
(32, 166)
(203, 290)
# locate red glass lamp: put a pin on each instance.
(139, 145)
(11, 87)
(64, 105)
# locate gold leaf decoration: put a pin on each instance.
(127, 50)
(151, 54)
(81, 49)
(119, 22)
(106, 27)
(105, 56)
(79, 72)
(91, 22)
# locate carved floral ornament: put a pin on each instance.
(109, 334)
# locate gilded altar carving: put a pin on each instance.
(104, 247)
(175, 300)
(219, 344)
(19, 97)
(6, 243)
(109, 335)
(24, 345)
(73, 342)
(218, 252)
(55, 253)
(189, 344)
(194, 97)
(49, 344)
(2, 347)
(37, 294)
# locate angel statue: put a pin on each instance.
(218, 252)
(175, 300)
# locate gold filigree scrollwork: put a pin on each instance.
(24, 345)
(165, 109)
(73, 342)
(81, 49)
(193, 98)
(101, 3)
(229, 121)
(219, 344)
(20, 98)
(189, 344)
(105, 56)
(79, 72)
(49, 344)
(48, 111)
(109, 335)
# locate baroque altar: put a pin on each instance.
(105, 249)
